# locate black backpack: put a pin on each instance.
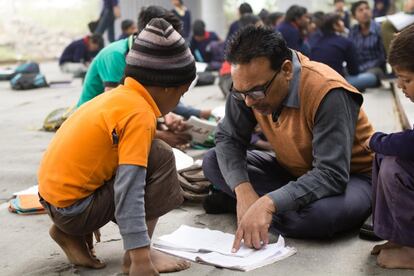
(25, 81)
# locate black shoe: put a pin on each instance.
(367, 231)
(218, 202)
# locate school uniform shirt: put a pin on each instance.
(399, 144)
(370, 48)
(293, 37)
(333, 50)
(200, 50)
(76, 52)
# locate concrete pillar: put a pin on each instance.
(213, 16)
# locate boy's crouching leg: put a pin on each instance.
(162, 192)
(75, 248)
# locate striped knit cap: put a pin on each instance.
(160, 57)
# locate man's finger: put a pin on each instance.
(264, 235)
(256, 241)
(247, 239)
(237, 240)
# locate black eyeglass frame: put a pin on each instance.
(256, 93)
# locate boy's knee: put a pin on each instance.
(388, 169)
(160, 153)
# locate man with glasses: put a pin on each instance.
(317, 181)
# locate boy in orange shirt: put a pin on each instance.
(104, 164)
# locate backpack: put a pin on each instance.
(25, 81)
(27, 67)
(205, 78)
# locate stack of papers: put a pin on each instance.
(26, 202)
(214, 248)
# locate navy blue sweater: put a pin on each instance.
(399, 144)
(77, 52)
(333, 50)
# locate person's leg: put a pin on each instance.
(162, 194)
(328, 216)
(110, 29)
(363, 81)
(186, 111)
(74, 68)
(265, 173)
(393, 195)
(103, 23)
(70, 232)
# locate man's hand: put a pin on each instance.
(246, 196)
(173, 139)
(366, 144)
(254, 226)
(141, 263)
(117, 11)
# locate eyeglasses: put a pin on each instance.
(256, 93)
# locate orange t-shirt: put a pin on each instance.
(115, 128)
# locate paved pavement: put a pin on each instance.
(26, 248)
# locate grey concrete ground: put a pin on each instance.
(26, 248)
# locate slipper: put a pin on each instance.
(196, 187)
(193, 197)
(194, 175)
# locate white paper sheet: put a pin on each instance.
(182, 160)
(194, 244)
(34, 190)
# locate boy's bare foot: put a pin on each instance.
(400, 257)
(166, 263)
(377, 249)
(75, 249)
(161, 261)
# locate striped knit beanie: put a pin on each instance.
(160, 57)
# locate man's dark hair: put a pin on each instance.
(294, 12)
(356, 5)
(402, 49)
(150, 12)
(253, 42)
(97, 39)
(245, 8)
(125, 24)
(199, 28)
(328, 22)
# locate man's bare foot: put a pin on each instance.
(377, 249)
(400, 257)
(75, 249)
(166, 263)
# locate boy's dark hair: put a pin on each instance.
(245, 8)
(294, 12)
(199, 28)
(253, 42)
(274, 16)
(402, 49)
(126, 24)
(150, 12)
(318, 18)
(328, 22)
(97, 39)
(337, 1)
(356, 5)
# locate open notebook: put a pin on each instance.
(214, 248)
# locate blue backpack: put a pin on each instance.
(25, 81)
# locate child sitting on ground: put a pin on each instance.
(393, 171)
